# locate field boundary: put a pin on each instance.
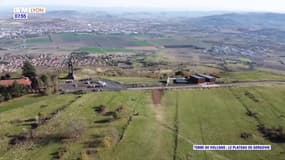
(176, 127)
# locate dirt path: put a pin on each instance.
(157, 105)
(159, 109)
(157, 96)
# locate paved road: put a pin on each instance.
(239, 84)
(114, 86)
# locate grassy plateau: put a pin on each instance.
(142, 125)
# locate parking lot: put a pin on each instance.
(90, 85)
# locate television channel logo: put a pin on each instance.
(23, 13)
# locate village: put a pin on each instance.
(238, 51)
(12, 63)
(72, 84)
(44, 25)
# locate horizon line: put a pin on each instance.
(140, 9)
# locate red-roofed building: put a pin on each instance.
(24, 81)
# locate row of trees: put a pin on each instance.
(44, 83)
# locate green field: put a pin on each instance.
(75, 36)
(38, 40)
(217, 117)
(143, 128)
(132, 40)
(106, 50)
(228, 77)
(141, 43)
(73, 41)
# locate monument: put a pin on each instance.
(70, 74)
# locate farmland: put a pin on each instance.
(151, 53)
(38, 40)
(87, 40)
(250, 76)
(142, 125)
(105, 50)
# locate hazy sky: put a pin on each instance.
(237, 5)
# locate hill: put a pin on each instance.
(249, 21)
(143, 125)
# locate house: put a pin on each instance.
(24, 81)
(180, 81)
(196, 79)
(208, 78)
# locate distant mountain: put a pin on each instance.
(62, 13)
(74, 14)
(249, 21)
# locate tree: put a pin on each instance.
(35, 84)
(164, 76)
(54, 81)
(45, 79)
(179, 73)
(17, 90)
(28, 70)
(5, 77)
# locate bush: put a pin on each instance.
(7, 96)
(2, 98)
(273, 134)
(111, 138)
(251, 114)
(245, 135)
(15, 90)
(251, 96)
(100, 108)
(115, 115)
(75, 128)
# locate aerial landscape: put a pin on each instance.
(117, 83)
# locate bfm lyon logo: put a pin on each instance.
(22, 13)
